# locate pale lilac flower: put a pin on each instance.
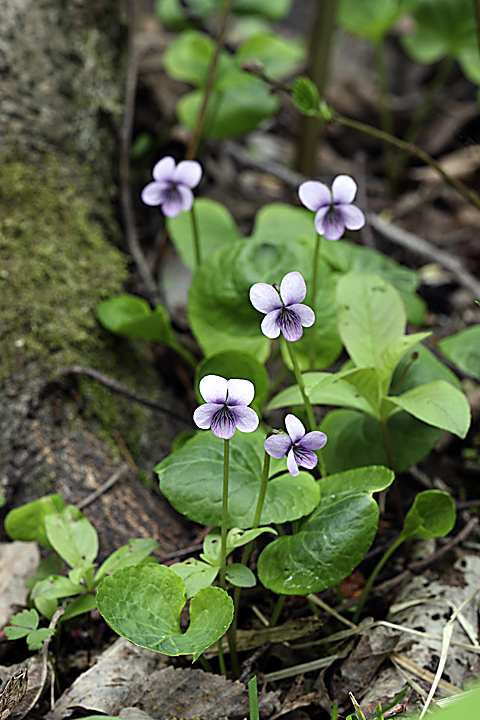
(297, 446)
(172, 186)
(226, 408)
(283, 308)
(334, 208)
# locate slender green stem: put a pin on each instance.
(277, 610)
(372, 578)
(253, 699)
(263, 490)
(316, 255)
(205, 664)
(223, 540)
(196, 236)
(212, 72)
(311, 424)
(221, 659)
(386, 116)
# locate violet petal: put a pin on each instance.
(277, 446)
(213, 389)
(305, 458)
(202, 417)
(352, 216)
(295, 428)
(240, 392)
(320, 219)
(292, 466)
(172, 205)
(333, 226)
(306, 314)
(246, 418)
(270, 325)
(223, 423)
(188, 172)
(186, 197)
(290, 325)
(293, 288)
(153, 193)
(314, 440)
(164, 169)
(344, 189)
(264, 297)
(314, 195)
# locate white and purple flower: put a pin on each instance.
(297, 446)
(172, 185)
(283, 308)
(225, 408)
(334, 208)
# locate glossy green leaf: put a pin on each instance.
(72, 536)
(143, 603)
(27, 522)
(424, 369)
(278, 55)
(463, 350)
(233, 111)
(439, 404)
(240, 575)
(356, 439)
(432, 515)
(132, 553)
(332, 541)
(370, 316)
(232, 364)
(442, 28)
(195, 574)
(216, 228)
(371, 19)
(78, 606)
(192, 481)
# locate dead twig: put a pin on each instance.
(104, 487)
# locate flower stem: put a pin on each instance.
(221, 659)
(223, 541)
(371, 579)
(316, 255)
(196, 236)
(306, 401)
(277, 610)
(212, 72)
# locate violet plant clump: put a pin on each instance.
(172, 186)
(333, 208)
(283, 306)
(226, 407)
(298, 445)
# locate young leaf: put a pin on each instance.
(143, 603)
(198, 494)
(195, 574)
(438, 404)
(240, 575)
(27, 522)
(56, 586)
(332, 541)
(431, 515)
(216, 228)
(463, 350)
(305, 95)
(36, 638)
(21, 624)
(72, 536)
(235, 538)
(132, 553)
(370, 316)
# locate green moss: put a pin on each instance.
(57, 262)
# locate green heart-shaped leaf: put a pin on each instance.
(431, 515)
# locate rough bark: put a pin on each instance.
(62, 70)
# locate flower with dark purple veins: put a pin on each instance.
(172, 185)
(297, 446)
(334, 208)
(283, 308)
(225, 408)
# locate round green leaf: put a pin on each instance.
(332, 541)
(431, 515)
(216, 228)
(143, 604)
(231, 365)
(72, 536)
(278, 55)
(192, 481)
(240, 575)
(463, 350)
(355, 439)
(27, 522)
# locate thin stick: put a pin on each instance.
(104, 487)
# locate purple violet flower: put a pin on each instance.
(226, 408)
(334, 208)
(283, 308)
(172, 186)
(297, 446)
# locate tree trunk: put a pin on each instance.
(62, 64)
